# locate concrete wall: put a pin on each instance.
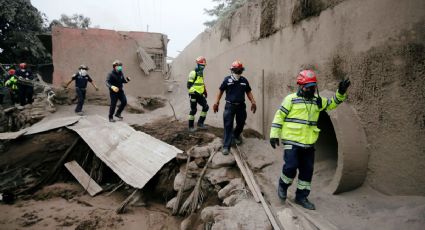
(378, 44)
(98, 48)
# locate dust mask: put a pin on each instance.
(83, 72)
(236, 76)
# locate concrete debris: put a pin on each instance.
(232, 200)
(178, 182)
(236, 184)
(245, 215)
(220, 175)
(221, 160)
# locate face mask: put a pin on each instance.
(118, 68)
(237, 76)
(201, 67)
(83, 72)
(308, 93)
(23, 70)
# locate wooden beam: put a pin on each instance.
(83, 178)
(245, 175)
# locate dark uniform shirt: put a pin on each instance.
(235, 89)
(116, 79)
(81, 81)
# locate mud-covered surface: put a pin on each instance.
(176, 133)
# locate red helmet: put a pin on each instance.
(306, 76)
(11, 72)
(201, 60)
(237, 65)
(23, 65)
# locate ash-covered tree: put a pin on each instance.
(222, 10)
(74, 21)
(20, 22)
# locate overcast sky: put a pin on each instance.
(181, 20)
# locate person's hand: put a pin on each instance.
(343, 86)
(205, 94)
(253, 107)
(215, 108)
(274, 142)
(128, 78)
(115, 89)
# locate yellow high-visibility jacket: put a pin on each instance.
(197, 83)
(295, 122)
(12, 83)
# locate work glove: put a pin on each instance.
(343, 86)
(253, 107)
(115, 89)
(128, 79)
(215, 108)
(205, 94)
(274, 142)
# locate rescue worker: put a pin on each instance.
(197, 94)
(114, 82)
(25, 85)
(12, 84)
(295, 123)
(235, 86)
(81, 78)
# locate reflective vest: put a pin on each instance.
(198, 83)
(12, 83)
(295, 122)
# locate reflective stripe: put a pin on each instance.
(274, 125)
(286, 179)
(336, 100)
(193, 100)
(287, 147)
(287, 142)
(302, 101)
(284, 110)
(203, 114)
(295, 120)
(302, 185)
(328, 103)
(191, 117)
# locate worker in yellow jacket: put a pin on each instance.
(295, 123)
(197, 94)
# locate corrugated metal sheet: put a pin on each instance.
(134, 156)
(145, 61)
(42, 126)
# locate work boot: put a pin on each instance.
(192, 129)
(237, 140)
(120, 118)
(305, 203)
(201, 126)
(80, 113)
(111, 120)
(225, 151)
(282, 193)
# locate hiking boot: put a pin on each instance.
(237, 140)
(192, 129)
(111, 120)
(282, 193)
(119, 117)
(305, 203)
(225, 151)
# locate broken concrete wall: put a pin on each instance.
(98, 48)
(379, 45)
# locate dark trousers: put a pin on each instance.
(230, 112)
(114, 98)
(81, 94)
(196, 99)
(300, 158)
(25, 94)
